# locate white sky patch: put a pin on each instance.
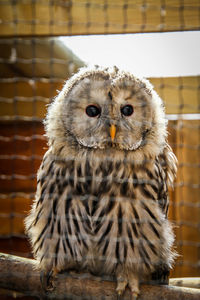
(146, 55)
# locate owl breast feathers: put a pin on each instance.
(102, 191)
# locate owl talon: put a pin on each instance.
(121, 285)
(119, 292)
(134, 286)
(134, 296)
(119, 296)
(46, 280)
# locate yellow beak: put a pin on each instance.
(112, 132)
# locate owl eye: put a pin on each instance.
(127, 110)
(92, 111)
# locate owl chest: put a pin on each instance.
(103, 211)
(110, 190)
(103, 187)
(97, 190)
(108, 182)
(115, 209)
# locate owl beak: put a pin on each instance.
(112, 132)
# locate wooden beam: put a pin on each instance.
(21, 274)
(75, 17)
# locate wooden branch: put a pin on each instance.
(20, 274)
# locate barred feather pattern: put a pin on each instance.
(96, 215)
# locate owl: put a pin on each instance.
(101, 203)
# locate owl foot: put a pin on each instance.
(132, 281)
(46, 279)
(134, 286)
(121, 285)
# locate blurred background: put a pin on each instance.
(42, 43)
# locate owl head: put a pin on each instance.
(107, 109)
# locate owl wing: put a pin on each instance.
(167, 167)
(170, 164)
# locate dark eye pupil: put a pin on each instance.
(92, 111)
(127, 110)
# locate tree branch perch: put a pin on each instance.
(20, 274)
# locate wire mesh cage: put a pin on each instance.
(34, 65)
